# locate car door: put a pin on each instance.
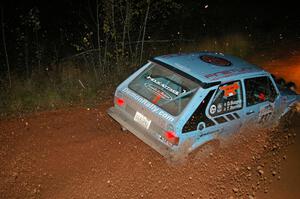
(225, 108)
(260, 101)
(218, 112)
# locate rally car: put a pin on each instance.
(197, 96)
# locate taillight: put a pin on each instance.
(171, 137)
(120, 101)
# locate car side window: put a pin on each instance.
(258, 90)
(228, 98)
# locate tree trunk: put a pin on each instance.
(114, 34)
(125, 25)
(129, 17)
(137, 43)
(98, 33)
(4, 46)
(26, 56)
(129, 43)
(144, 31)
(38, 53)
(105, 49)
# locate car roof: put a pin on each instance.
(210, 66)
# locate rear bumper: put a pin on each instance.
(123, 118)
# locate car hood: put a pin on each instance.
(290, 96)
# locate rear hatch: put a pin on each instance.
(156, 97)
(146, 114)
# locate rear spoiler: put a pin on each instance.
(202, 84)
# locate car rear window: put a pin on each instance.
(165, 88)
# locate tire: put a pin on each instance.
(205, 150)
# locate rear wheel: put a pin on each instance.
(205, 150)
(180, 156)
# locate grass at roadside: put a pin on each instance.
(52, 90)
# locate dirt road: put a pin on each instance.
(82, 153)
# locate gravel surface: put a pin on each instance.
(82, 153)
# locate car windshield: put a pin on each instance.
(165, 88)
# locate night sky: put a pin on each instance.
(63, 22)
(232, 15)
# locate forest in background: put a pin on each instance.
(76, 53)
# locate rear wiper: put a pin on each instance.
(180, 96)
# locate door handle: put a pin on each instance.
(250, 112)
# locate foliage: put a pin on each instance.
(73, 81)
(98, 43)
